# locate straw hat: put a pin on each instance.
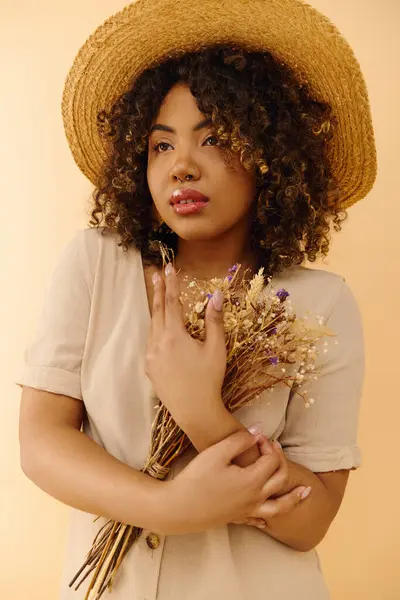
(148, 31)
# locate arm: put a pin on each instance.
(219, 423)
(71, 467)
(306, 525)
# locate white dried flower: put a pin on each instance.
(193, 318)
(199, 306)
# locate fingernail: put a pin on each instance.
(277, 444)
(255, 429)
(218, 299)
(155, 278)
(306, 493)
(169, 269)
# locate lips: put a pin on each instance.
(187, 194)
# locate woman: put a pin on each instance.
(223, 153)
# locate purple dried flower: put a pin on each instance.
(274, 331)
(233, 269)
(230, 277)
(282, 294)
(209, 296)
(273, 360)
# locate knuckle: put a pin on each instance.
(150, 359)
(270, 463)
(168, 341)
(285, 468)
(170, 298)
(283, 479)
(157, 303)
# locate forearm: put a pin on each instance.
(73, 468)
(218, 424)
(306, 525)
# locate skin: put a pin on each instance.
(180, 367)
(218, 235)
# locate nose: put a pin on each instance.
(184, 170)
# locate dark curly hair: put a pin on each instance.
(259, 110)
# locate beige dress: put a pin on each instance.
(90, 344)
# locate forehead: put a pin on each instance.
(179, 106)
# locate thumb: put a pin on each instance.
(214, 321)
(235, 444)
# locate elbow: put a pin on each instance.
(307, 542)
(301, 546)
(307, 545)
(26, 467)
(27, 461)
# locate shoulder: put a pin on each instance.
(103, 242)
(315, 290)
(100, 254)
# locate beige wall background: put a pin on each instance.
(43, 201)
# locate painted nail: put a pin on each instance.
(155, 278)
(218, 299)
(306, 493)
(255, 429)
(169, 269)
(277, 444)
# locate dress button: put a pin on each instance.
(153, 541)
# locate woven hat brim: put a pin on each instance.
(148, 31)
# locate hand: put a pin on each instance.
(211, 490)
(282, 496)
(187, 374)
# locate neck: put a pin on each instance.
(206, 259)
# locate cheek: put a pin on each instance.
(151, 177)
(238, 189)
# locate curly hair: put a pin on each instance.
(259, 111)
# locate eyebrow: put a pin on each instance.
(160, 127)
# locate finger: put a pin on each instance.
(278, 448)
(234, 444)
(158, 310)
(265, 445)
(275, 483)
(279, 506)
(262, 469)
(214, 317)
(251, 521)
(173, 307)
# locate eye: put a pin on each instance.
(212, 137)
(157, 147)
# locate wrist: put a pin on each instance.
(174, 512)
(165, 510)
(214, 424)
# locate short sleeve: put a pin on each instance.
(53, 358)
(323, 436)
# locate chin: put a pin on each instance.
(193, 230)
